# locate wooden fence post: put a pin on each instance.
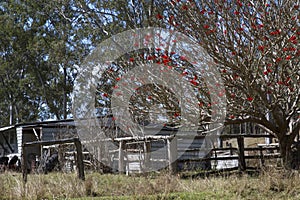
(80, 165)
(121, 156)
(172, 154)
(262, 161)
(24, 163)
(242, 162)
(147, 149)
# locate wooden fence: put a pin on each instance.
(79, 155)
(239, 153)
(262, 152)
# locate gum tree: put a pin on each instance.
(40, 42)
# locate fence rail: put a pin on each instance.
(263, 152)
(239, 154)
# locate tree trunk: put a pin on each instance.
(65, 94)
(285, 144)
(11, 114)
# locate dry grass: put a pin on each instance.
(270, 184)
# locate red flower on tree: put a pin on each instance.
(184, 7)
(206, 26)
(176, 114)
(288, 57)
(261, 48)
(220, 94)
(184, 73)
(293, 38)
(183, 58)
(166, 61)
(194, 82)
(159, 16)
(236, 12)
(250, 98)
(171, 19)
(277, 32)
(150, 57)
(164, 56)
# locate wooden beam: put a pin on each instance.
(147, 137)
(121, 157)
(147, 155)
(6, 141)
(80, 165)
(262, 161)
(241, 150)
(24, 164)
(36, 134)
(172, 154)
(51, 142)
(207, 159)
(222, 136)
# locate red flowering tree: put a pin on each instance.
(256, 45)
(152, 103)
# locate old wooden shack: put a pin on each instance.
(12, 137)
(124, 153)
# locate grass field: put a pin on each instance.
(268, 185)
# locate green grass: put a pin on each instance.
(269, 185)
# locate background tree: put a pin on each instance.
(41, 42)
